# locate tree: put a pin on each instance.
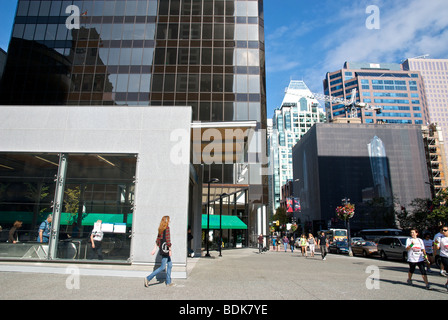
(280, 216)
(426, 214)
(439, 207)
(36, 193)
(71, 203)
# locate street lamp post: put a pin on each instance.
(220, 222)
(213, 180)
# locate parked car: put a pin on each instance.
(393, 247)
(364, 248)
(356, 239)
(338, 247)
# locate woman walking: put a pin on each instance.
(163, 242)
(303, 244)
(285, 242)
(416, 256)
(442, 244)
(311, 244)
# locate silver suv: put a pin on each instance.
(393, 247)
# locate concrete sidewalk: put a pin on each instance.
(240, 274)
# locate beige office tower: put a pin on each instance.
(435, 77)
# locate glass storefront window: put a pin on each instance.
(98, 187)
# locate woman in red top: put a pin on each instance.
(163, 242)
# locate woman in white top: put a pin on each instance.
(442, 244)
(416, 256)
(311, 244)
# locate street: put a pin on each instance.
(241, 274)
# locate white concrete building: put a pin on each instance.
(297, 114)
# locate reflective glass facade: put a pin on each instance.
(205, 53)
(208, 54)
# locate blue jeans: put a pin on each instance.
(166, 262)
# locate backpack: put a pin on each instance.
(163, 247)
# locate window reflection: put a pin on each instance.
(22, 9)
(97, 187)
(121, 37)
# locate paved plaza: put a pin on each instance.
(241, 274)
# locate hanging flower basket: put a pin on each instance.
(345, 212)
(294, 227)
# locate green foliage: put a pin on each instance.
(71, 202)
(280, 215)
(426, 213)
(439, 211)
(32, 193)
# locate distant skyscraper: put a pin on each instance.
(435, 77)
(297, 114)
(399, 93)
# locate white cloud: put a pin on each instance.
(407, 29)
(406, 26)
(329, 37)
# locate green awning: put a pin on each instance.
(89, 219)
(227, 222)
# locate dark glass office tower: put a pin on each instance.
(205, 53)
(208, 54)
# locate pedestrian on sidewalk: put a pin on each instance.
(416, 257)
(285, 242)
(274, 242)
(163, 243)
(323, 244)
(429, 248)
(260, 243)
(442, 244)
(278, 242)
(291, 243)
(437, 237)
(311, 244)
(303, 245)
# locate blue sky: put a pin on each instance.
(307, 38)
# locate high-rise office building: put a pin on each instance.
(297, 114)
(400, 94)
(435, 77)
(207, 54)
(203, 54)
